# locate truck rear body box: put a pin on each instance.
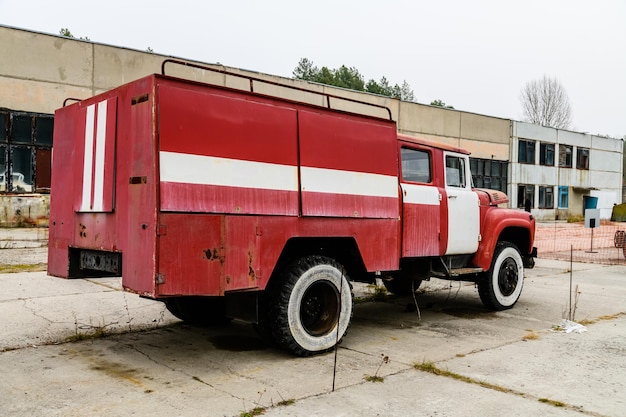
(191, 189)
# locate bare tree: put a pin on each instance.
(546, 103)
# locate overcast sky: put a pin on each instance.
(474, 55)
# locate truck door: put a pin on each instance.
(463, 207)
(421, 204)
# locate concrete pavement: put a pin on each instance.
(489, 364)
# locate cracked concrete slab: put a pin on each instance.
(171, 368)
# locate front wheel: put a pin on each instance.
(501, 286)
(311, 305)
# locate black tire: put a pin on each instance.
(501, 286)
(401, 286)
(200, 311)
(310, 306)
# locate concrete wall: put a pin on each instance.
(42, 70)
(38, 71)
(603, 179)
(24, 210)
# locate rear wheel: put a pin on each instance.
(202, 311)
(310, 305)
(501, 286)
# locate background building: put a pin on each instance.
(39, 71)
(557, 170)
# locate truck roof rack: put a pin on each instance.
(253, 79)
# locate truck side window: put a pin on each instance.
(455, 171)
(415, 165)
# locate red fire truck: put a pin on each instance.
(230, 203)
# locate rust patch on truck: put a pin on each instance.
(251, 273)
(215, 254)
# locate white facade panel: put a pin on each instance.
(607, 144)
(604, 161)
(606, 180)
(530, 131)
(573, 138)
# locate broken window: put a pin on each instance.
(525, 196)
(25, 151)
(565, 156)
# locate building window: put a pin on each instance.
(526, 154)
(415, 165)
(25, 151)
(582, 158)
(565, 156)
(563, 197)
(546, 197)
(489, 173)
(546, 154)
(525, 195)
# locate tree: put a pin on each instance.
(440, 103)
(305, 70)
(546, 103)
(351, 78)
(382, 87)
(404, 92)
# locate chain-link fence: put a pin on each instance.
(604, 244)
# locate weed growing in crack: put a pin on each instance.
(285, 402)
(256, 411)
(376, 378)
(98, 332)
(552, 402)
(10, 269)
(430, 367)
(572, 308)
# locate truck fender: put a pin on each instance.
(503, 226)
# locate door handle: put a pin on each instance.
(452, 196)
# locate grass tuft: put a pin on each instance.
(12, 269)
(552, 402)
(256, 411)
(530, 335)
(373, 378)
